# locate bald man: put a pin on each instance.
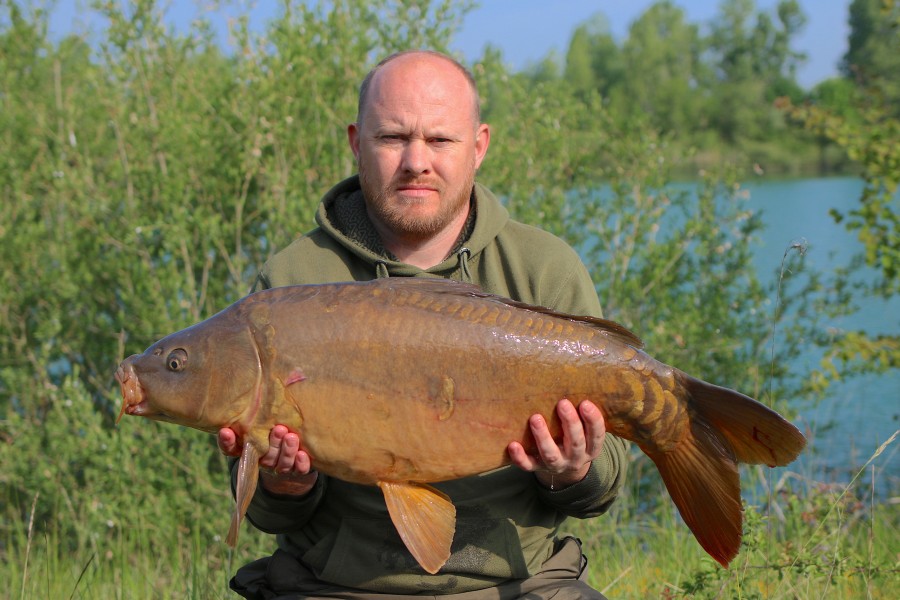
(415, 210)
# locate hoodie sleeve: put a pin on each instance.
(276, 513)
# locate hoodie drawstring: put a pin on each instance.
(463, 255)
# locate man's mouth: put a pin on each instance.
(416, 190)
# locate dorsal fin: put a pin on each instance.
(434, 285)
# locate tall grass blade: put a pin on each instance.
(81, 575)
(28, 543)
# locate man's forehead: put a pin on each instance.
(409, 121)
(420, 84)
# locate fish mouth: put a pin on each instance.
(133, 401)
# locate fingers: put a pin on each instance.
(276, 437)
(594, 428)
(227, 442)
(574, 444)
(286, 468)
(520, 458)
(551, 456)
(284, 455)
(583, 431)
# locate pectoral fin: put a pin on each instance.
(425, 519)
(247, 478)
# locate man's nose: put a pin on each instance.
(416, 157)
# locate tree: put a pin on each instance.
(873, 52)
(661, 57)
(866, 125)
(751, 58)
(593, 62)
(579, 74)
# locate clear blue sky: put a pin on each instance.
(526, 30)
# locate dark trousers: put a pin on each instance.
(282, 577)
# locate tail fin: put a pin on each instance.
(702, 478)
(701, 473)
(756, 433)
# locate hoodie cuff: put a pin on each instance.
(593, 495)
(279, 513)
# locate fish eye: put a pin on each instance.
(176, 360)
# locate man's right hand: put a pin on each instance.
(285, 469)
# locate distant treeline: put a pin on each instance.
(713, 86)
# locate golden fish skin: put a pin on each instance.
(383, 379)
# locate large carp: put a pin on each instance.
(386, 382)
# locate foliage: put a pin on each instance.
(873, 53)
(710, 85)
(90, 498)
(867, 127)
(147, 174)
(749, 59)
(662, 58)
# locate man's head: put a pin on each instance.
(418, 141)
(367, 82)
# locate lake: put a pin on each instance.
(859, 414)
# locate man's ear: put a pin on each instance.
(353, 138)
(482, 141)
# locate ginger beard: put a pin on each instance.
(408, 217)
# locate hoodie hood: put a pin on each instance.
(339, 216)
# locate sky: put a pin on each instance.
(528, 33)
(527, 30)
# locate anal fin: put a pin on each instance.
(247, 479)
(425, 518)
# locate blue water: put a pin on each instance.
(857, 415)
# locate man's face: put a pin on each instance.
(418, 146)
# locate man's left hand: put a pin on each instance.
(558, 466)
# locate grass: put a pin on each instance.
(806, 539)
(803, 539)
(128, 565)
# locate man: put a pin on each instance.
(415, 210)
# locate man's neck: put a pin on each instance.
(425, 252)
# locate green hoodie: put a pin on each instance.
(508, 524)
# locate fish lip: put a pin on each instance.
(141, 409)
(133, 398)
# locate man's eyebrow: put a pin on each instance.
(400, 130)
